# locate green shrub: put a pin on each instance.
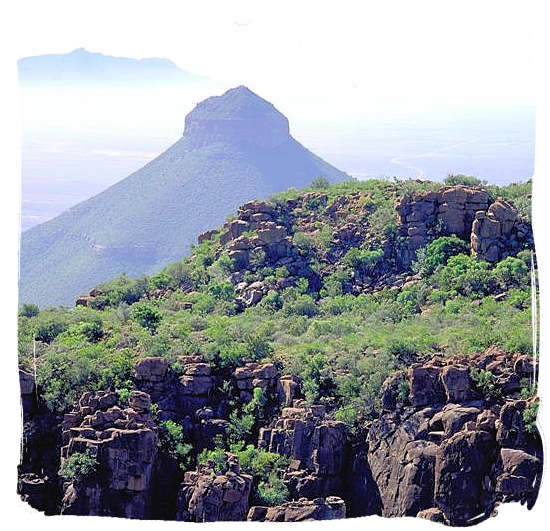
(336, 284)
(466, 180)
(465, 275)
(437, 253)
(146, 315)
(484, 384)
(160, 281)
(364, 261)
(530, 414)
(301, 305)
(79, 467)
(512, 272)
(320, 182)
(217, 457)
(303, 241)
(172, 441)
(121, 289)
(28, 310)
(273, 491)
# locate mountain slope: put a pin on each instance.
(235, 147)
(89, 68)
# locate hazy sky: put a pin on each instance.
(412, 88)
(415, 55)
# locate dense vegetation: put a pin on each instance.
(342, 344)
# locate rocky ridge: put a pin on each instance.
(447, 452)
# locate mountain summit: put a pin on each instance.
(238, 116)
(235, 147)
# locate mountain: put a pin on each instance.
(235, 147)
(81, 67)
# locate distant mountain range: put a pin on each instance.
(81, 67)
(235, 147)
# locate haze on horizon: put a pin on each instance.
(458, 98)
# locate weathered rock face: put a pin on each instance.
(268, 378)
(492, 227)
(317, 448)
(331, 508)
(124, 443)
(447, 452)
(37, 472)
(494, 232)
(205, 496)
(176, 395)
(456, 453)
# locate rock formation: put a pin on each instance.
(205, 496)
(124, 443)
(330, 508)
(460, 452)
(492, 227)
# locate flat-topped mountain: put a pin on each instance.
(235, 147)
(237, 117)
(88, 68)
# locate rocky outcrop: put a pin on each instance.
(443, 447)
(493, 228)
(123, 441)
(457, 451)
(205, 496)
(316, 447)
(330, 508)
(497, 231)
(267, 377)
(176, 394)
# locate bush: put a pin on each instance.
(160, 280)
(364, 261)
(217, 457)
(320, 182)
(79, 467)
(467, 276)
(172, 442)
(484, 384)
(302, 305)
(146, 315)
(530, 414)
(512, 272)
(336, 284)
(121, 289)
(303, 241)
(466, 180)
(273, 491)
(437, 253)
(28, 310)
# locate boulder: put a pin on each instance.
(425, 386)
(330, 508)
(520, 477)
(151, 368)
